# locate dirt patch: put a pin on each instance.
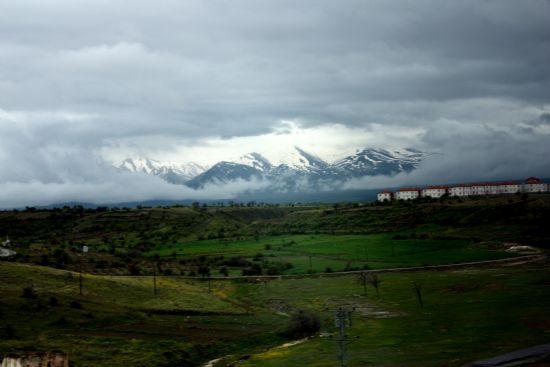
(279, 306)
(361, 309)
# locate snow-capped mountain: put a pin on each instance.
(286, 171)
(257, 161)
(372, 162)
(224, 172)
(176, 173)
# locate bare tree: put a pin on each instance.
(375, 282)
(363, 279)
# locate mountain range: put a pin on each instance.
(292, 171)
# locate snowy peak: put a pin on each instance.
(139, 164)
(299, 160)
(370, 162)
(256, 160)
(170, 171)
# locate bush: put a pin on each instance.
(9, 332)
(255, 269)
(28, 292)
(224, 271)
(76, 304)
(53, 302)
(303, 323)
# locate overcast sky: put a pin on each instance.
(84, 83)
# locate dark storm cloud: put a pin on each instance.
(79, 76)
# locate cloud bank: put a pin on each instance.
(83, 83)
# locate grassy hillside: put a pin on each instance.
(119, 321)
(136, 309)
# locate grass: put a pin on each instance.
(467, 315)
(119, 322)
(339, 252)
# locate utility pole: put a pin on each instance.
(154, 280)
(80, 279)
(84, 250)
(342, 320)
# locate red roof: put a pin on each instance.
(436, 187)
(386, 192)
(533, 180)
(409, 189)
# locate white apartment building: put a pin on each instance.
(434, 191)
(493, 189)
(509, 187)
(385, 195)
(460, 190)
(534, 184)
(407, 194)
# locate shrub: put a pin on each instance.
(224, 271)
(254, 269)
(303, 323)
(53, 301)
(9, 332)
(28, 292)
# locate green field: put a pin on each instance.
(467, 315)
(316, 253)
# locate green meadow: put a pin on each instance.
(319, 252)
(466, 315)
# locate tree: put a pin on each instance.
(204, 271)
(375, 282)
(363, 279)
(303, 323)
(224, 271)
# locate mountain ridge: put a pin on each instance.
(297, 168)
